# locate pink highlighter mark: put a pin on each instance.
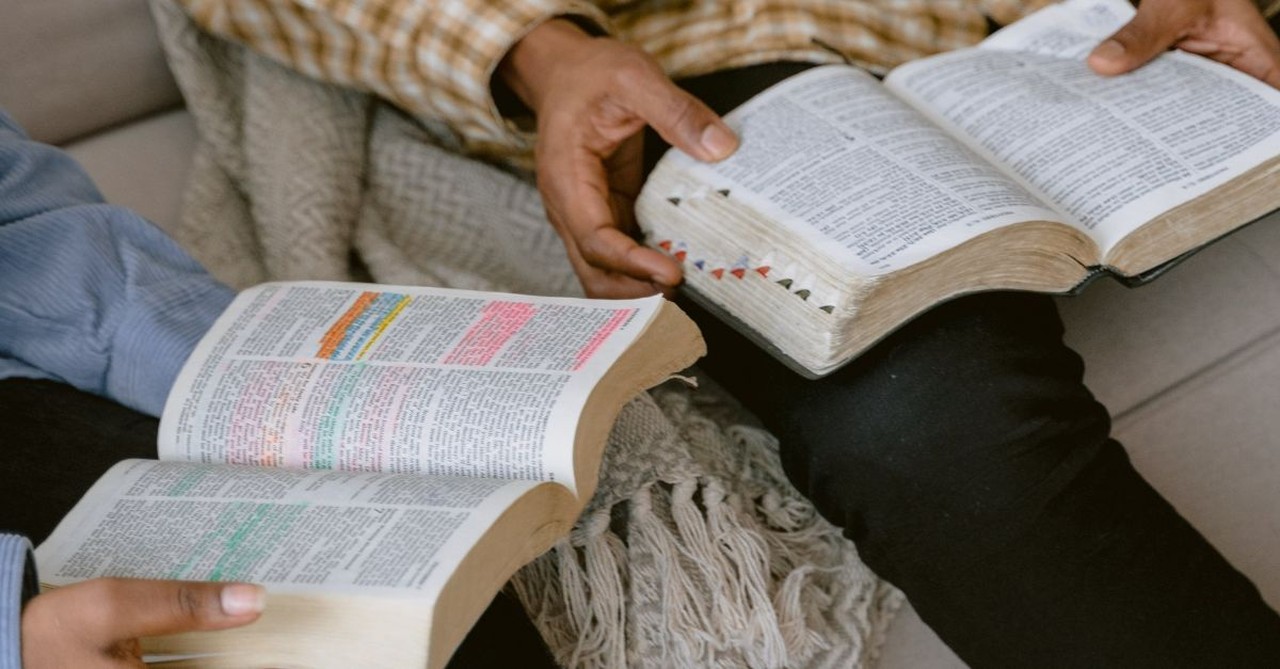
(610, 326)
(498, 323)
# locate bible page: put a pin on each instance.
(397, 379)
(292, 531)
(1110, 152)
(860, 175)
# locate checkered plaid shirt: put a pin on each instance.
(435, 58)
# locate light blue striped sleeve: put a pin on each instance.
(91, 294)
(17, 585)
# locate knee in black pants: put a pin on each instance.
(956, 430)
(973, 470)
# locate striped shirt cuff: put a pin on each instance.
(17, 585)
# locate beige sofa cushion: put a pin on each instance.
(1141, 342)
(143, 165)
(71, 67)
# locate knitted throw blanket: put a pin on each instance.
(695, 551)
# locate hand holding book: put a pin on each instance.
(1231, 32)
(593, 97)
(381, 458)
(98, 623)
(852, 206)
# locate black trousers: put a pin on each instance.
(55, 441)
(972, 468)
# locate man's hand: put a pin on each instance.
(593, 97)
(96, 624)
(1228, 31)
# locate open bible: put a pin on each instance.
(853, 205)
(381, 458)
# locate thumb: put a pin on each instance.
(115, 609)
(1148, 35)
(680, 118)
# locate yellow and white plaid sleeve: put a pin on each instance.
(701, 36)
(433, 58)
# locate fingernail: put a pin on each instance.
(718, 141)
(240, 599)
(1109, 50)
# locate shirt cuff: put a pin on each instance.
(17, 585)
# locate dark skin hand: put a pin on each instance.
(593, 96)
(1232, 32)
(97, 624)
